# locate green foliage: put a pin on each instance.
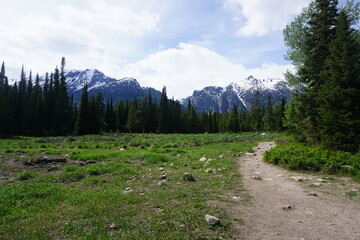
(324, 47)
(296, 156)
(26, 175)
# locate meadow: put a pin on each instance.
(120, 186)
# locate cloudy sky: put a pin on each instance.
(181, 44)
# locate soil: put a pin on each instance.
(276, 205)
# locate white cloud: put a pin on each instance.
(190, 67)
(93, 34)
(264, 16)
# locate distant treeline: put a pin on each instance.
(34, 109)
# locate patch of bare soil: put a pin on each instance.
(289, 205)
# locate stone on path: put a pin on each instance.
(189, 177)
(211, 220)
(162, 183)
(203, 159)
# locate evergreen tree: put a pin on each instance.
(192, 119)
(110, 117)
(96, 114)
(39, 108)
(339, 97)
(233, 120)
(256, 114)
(280, 116)
(163, 120)
(82, 127)
(63, 109)
(268, 118)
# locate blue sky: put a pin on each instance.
(181, 44)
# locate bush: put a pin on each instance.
(26, 175)
(299, 157)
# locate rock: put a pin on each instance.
(133, 178)
(208, 170)
(287, 208)
(171, 164)
(236, 198)
(66, 155)
(128, 190)
(255, 175)
(163, 177)
(211, 220)
(141, 194)
(113, 226)
(122, 149)
(322, 180)
(313, 194)
(161, 168)
(300, 179)
(90, 162)
(161, 183)
(316, 184)
(346, 166)
(52, 168)
(249, 154)
(203, 159)
(189, 177)
(263, 134)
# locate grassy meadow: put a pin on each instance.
(122, 186)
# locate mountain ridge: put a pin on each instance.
(210, 98)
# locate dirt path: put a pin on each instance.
(282, 208)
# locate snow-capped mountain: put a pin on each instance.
(241, 94)
(218, 99)
(118, 89)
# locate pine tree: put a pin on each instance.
(268, 118)
(280, 116)
(339, 97)
(233, 124)
(192, 119)
(96, 114)
(82, 127)
(110, 118)
(63, 109)
(256, 114)
(39, 108)
(163, 120)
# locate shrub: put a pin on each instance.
(26, 175)
(296, 156)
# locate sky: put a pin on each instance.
(184, 45)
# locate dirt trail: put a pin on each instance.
(283, 208)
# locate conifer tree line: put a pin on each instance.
(324, 46)
(30, 108)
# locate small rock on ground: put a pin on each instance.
(189, 177)
(211, 220)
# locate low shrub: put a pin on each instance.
(296, 156)
(26, 175)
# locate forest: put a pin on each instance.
(34, 109)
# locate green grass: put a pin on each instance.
(77, 200)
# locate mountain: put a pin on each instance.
(241, 94)
(218, 99)
(118, 89)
